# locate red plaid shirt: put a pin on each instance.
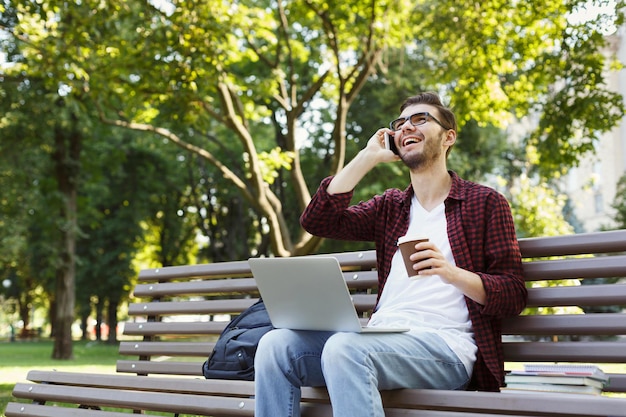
(483, 240)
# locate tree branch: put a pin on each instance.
(228, 174)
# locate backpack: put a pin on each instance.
(233, 354)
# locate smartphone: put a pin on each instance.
(390, 143)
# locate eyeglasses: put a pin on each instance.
(416, 119)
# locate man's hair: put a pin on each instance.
(445, 114)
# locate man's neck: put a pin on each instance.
(431, 187)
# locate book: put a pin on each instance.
(538, 378)
(574, 389)
(592, 371)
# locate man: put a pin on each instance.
(470, 276)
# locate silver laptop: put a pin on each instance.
(308, 293)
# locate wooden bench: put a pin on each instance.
(176, 323)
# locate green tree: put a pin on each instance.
(619, 204)
(44, 131)
(258, 73)
(19, 243)
(133, 186)
(537, 209)
(38, 122)
(527, 58)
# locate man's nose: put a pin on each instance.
(407, 125)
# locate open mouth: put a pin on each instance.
(410, 141)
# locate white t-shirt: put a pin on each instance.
(427, 303)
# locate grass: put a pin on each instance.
(17, 358)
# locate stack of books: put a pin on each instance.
(581, 379)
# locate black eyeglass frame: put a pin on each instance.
(427, 115)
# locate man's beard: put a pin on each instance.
(421, 160)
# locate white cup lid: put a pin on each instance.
(403, 239)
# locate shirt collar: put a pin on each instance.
(457, 190)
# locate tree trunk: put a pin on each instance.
(65, 313)
(112, 315)
(66, 159)
(84, 327)
(99, 320)
(52, 314)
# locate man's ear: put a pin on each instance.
(450, 138)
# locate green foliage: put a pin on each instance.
(537, 209)
(619, 204)
(257, 72)
(502, 60)
(272, 162)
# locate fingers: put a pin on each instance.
(424, 252)
(379, 137)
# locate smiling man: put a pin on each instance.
(469, 277)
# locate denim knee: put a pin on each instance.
(272, 348)
(340, 351)
(291, 354)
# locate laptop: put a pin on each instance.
(308, 293)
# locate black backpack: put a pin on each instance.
(233, 354)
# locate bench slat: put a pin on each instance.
(362, 260)
(204, 287)
(145, 400)
(174, 328)
(588, 351)
(354, 280)
(606, 352)
(598, 267)
(543, 404)
(308, 410)
(35, 410)
(362, 302)
(172, 384)
(581, 243)
(165, 308)
(566, 324)
(617, 383)
(217, 269)
(322, 410)
(194, 348)
(160, 368)
(582, 295)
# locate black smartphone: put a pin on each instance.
(390, 143)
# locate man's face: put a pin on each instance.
(419, 146)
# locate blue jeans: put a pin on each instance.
(353, 366)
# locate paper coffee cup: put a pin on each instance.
(407, 248)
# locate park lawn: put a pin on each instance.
(17, 358)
